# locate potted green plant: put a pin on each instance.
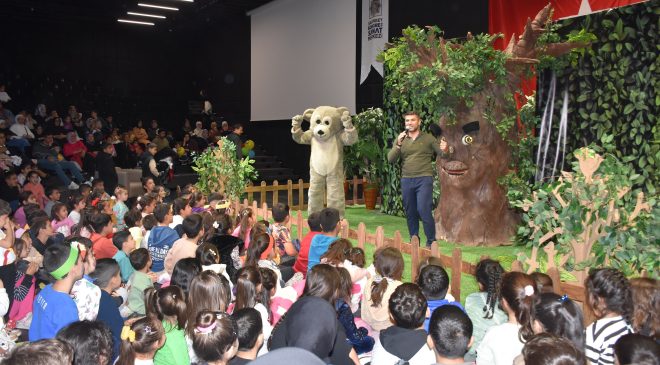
(221, 172)
(366, 154)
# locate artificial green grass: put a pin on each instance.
(374, 218)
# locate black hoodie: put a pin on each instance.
(402, 342)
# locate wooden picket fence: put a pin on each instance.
(418, 255)
(355, 186)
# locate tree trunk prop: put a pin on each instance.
(467, 91)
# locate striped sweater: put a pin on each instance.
(601, 337)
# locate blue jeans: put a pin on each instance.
(418, 204)
(59, 168)
(20, 143)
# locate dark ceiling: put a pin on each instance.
(190, 15)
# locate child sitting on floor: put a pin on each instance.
(53, 307)
(434, 282)
(450, 335)
(61, 222)
(138, 283)
(405, 341)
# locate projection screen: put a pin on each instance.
(302, 56)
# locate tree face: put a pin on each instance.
(473, 208)
(476, 149)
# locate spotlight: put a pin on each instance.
(146, 15)
(134, 22)
(157, 6)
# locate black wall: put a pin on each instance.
(105, 63)
(153, 72)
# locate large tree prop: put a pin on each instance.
(468, 89)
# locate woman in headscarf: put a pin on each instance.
(311, 324)
(75, 150)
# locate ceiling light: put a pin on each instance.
(134, 22)
(158, 6)
(147, 15)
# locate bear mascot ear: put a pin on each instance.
(307, 115)
(342, 109)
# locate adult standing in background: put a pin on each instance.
(416, 149)
(105, 166)
(235, 138)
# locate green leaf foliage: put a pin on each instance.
(614, 89)
(221, 172)
(365, 157)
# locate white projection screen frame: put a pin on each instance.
(302, 56)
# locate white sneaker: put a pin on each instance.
(73, 186)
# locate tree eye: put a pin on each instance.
(467, 140)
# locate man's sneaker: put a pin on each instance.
(73, 186)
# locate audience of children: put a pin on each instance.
(185, 246)
(560, 316)
(140, 341)
(503, 342)
(125, 245)
(107, 277)
(314, 223)
(636, 349)
(329, 222)
(405, 341)
(137, 283)
(61, 222)
(547, 348)
(91, 341)
(168, 305)
(187, 274)
(53, 307)
(483, 306)
(450, 335)
(120, 208)
(249, 331)
(646, 306)
(610, 296)
(388, 265)
(214, 337)
(434, 282)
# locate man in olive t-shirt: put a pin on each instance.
(416, 149)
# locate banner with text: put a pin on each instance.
(375, 18)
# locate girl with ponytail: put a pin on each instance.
(250, 293)
(502, 343)
(168, 305)
(609, 295)
(483, 307)
(215, 338)
(388, 263)
(140, 341)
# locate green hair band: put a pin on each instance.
(64, 269)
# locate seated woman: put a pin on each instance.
(75, 150)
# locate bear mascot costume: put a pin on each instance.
(330, 130)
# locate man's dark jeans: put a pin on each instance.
(418, 204)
